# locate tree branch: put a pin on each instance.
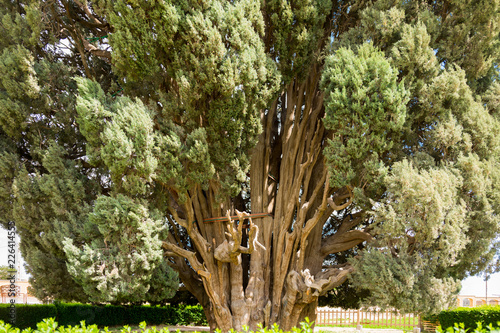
(330, 278)
(339, 242)
(96, 51)
(348, 224)
(183, 223)
(336, 206)
(253, 236)
(87, 11)
(229, 251)
(303, 288)
(189, 255)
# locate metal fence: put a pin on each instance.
(366, 318)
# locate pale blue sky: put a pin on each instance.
(471, 286)
(476, 286)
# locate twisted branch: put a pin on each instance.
(189, 255)
(336, 206)
(229, 251)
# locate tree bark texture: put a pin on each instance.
(264, 264)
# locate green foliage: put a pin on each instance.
(182, 297)
(109, 315)
(4, 273)
(38, 97)
(124, 130)
(74, 313)
(470, 318)
(28, 315)
(432, 318)
(50, 325)
(117, 265)
(296, 30)
(365, 108)
(345, 297)
(214, 53)
(460, 328)
(305, 327)
(435, 218)
(190, 314)
(18, 83)
(432, 213)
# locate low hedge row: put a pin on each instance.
(485, 315)
(109, 315)
(27, 315)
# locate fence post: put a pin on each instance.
(358, 322)
(419, 327)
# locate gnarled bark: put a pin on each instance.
(269, 269)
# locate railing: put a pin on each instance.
(6, 293)
(366, 318)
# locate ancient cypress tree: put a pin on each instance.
(289, 147)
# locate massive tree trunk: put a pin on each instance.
(265, 264)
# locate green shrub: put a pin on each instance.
(485, 315)
(460, 328)
(191, 314)
(109, 315)
(74, 313)
(28, 315)
(433, 318)
(150, 314)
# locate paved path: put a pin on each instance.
(189, 328)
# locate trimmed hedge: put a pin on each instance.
(109, 315)
(28, 315)
(486, 314)
(461, 329)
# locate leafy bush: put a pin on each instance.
(149, 314)
(109, 315)
(191, 314)
(28, 315)
(74, 313)
(433, 318)
(460, 328)
(485, 315)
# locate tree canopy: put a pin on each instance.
(5, 274)
(267, 152)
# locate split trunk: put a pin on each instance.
(259, 259)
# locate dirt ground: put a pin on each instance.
(316, 329)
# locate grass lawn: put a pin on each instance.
(382, 324)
